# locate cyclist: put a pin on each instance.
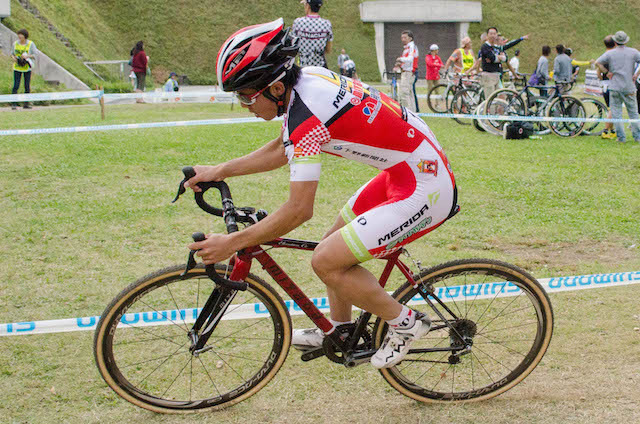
(325, 112)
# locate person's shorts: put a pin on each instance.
(605, 95)
(399, 205)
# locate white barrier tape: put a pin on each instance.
(523, 118)
(257, 310)
(209, 96)
(223, 121)
(37, 97)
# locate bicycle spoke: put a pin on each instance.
(177, 308)
(162, 363)
(209, 375)
(179, 374)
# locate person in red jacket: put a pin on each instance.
(139, 65)
(434, 63)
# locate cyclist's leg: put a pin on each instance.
(340, 309)
(418, 201)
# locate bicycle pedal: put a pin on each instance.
(310, 354)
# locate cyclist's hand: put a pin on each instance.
(215, 248)
(205, 174)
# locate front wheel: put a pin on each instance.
(142, 342)
(566, 107)
(437, 98)
(491, 325)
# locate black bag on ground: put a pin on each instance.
(518, 130)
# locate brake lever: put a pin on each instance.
(191, 261)
(189, 173)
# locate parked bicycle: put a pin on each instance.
(525, 103)
(192, 338)
(393, 78)
(441, 95)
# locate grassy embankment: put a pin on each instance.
(185, 37)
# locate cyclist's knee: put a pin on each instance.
(327, 263)
(321, 262)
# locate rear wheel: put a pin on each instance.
(594, 109)
(500, 324)
(142, 342)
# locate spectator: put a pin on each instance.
(502, 46)
(638, 85)
(24, 54)
(315, 34)
(462, 59)
(622, 63)
(349, 68)
(562, 69)
(609, 132)
(542, 70)
(434, 63)
(506, 44)
(576, 64)
(139, 66)
(409, 64)
(515, 63)
(490, 61)
(172, 83)
(342, 57)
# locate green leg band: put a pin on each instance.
(354, 244)
(347, 214)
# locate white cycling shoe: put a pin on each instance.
(308, 338)
(398, 341)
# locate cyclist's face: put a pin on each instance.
(405, 39)
(263, 107)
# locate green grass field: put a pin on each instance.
(84, 215)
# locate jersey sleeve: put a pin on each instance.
(303, 136)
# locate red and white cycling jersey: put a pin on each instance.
(414, 193)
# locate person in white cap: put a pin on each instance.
(434, 63)
(622, 62)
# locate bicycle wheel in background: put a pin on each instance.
(436, 98)
(504, 102)
(142, 342)
(594, 109)
(501, 310)
(465, 102)
(566, 107)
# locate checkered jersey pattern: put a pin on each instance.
(314, 32)
(311, 143)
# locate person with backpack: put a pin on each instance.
(541, 75)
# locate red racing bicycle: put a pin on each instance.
(190, 338)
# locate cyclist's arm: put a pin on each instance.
(267, 158)
(295, 211)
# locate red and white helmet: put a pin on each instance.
(256, 56)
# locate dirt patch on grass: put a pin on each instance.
(535, 253)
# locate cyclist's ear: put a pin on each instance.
(278, 89)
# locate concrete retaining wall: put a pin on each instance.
(45, 66)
